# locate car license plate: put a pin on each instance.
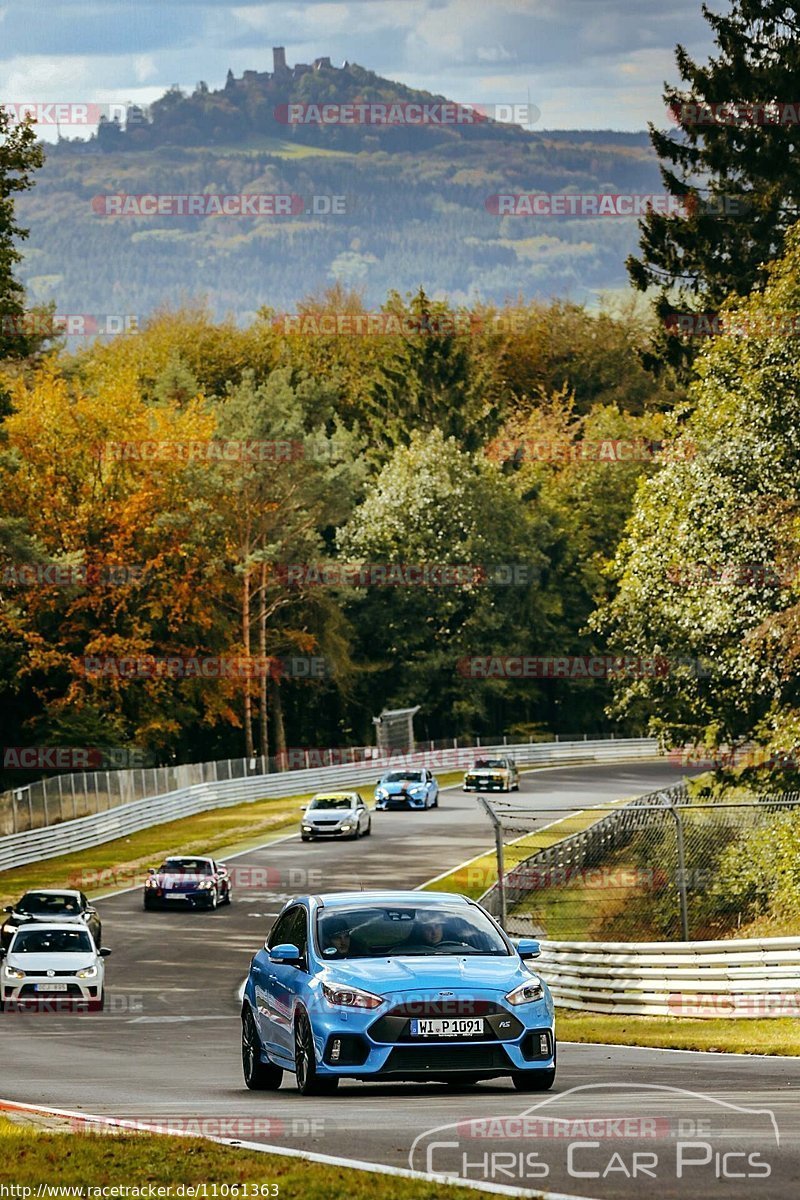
(175, 896)
(448, 1027)
(51, 987)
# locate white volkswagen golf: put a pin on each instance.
(54, 966)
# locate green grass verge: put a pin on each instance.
(124, 862)
(779, 1035)
(29, 1157)
(473, 878)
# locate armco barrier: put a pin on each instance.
(753, 977)
(20, 848)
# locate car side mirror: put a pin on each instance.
(2, 951)
(528, 948)
(223, 870)
(104, 951)
(285, 952)
(151, 870)
(303, 807)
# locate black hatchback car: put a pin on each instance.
(51, 906)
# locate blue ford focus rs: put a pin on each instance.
(394, 986)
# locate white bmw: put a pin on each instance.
(54, 966)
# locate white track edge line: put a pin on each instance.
(290, 1152)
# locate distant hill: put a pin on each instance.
(415, 200)
(345, 108)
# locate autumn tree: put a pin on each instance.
(276, 506)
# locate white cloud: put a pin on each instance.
(144, 67)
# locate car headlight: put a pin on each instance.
(87, 973)
(349, 997)
(13, 973)
(206, 883)
(526, 993)
(345, 828)
(380, 793)
(306, 828)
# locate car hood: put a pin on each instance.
(406, 786)
(76, 961)
(469, 974)
(330, 814)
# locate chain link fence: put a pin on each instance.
(662, 867)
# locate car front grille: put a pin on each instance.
(28, 991)
(431, 1059)
(395, 1026)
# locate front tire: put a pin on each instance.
(258, 1076)
(309, 1083)
(535, 1081)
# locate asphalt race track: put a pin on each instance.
(167, 1046)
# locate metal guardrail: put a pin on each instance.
(747, 977)
(54, 799)
(73, 835)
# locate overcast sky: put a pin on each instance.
(584, 63)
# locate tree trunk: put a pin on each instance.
(278, 726)
(248, 699)
(264, 676)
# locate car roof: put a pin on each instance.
(52, 892)
(51, 926)
(193, 857)
(419, 899)
(334, 795)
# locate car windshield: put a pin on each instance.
(52, 941)
(404, 776)
(405, 931)
(326, 802)
(490, 762)
(187, 866)
(41, 903)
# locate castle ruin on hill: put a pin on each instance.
(281, 72)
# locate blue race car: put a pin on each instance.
(394, 986)
(407, 789)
